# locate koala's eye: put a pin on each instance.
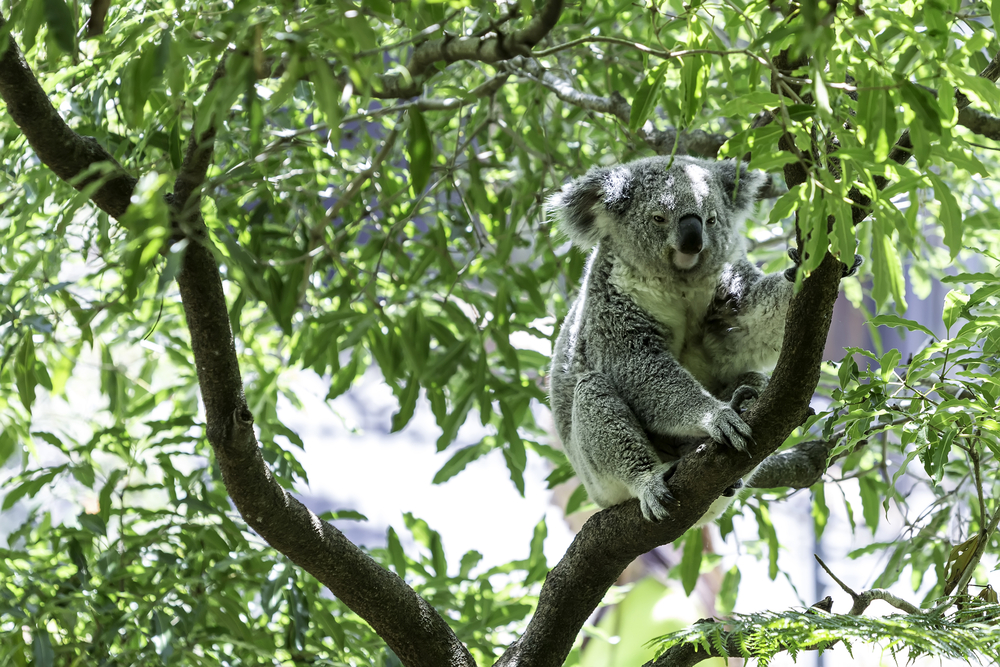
(711, 220)
(659, 219)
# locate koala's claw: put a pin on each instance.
(731, 491)
(793, 254)
(853, 268)
(655, 497)
(729, 429)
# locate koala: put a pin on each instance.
(673, 326)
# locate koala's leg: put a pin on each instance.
(617, 460)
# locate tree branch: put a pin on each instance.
(408, 624)
(487, 88)
(495, 47)
(693, 142)
(80, 161)
(980, 122)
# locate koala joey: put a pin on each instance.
(665, 343)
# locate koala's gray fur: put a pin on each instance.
(672, 327)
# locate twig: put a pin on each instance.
(696, 142)
(862, 600)
(435, 104)
(406, 81)
(359, 179)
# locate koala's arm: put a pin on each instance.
(664, 396)
(747, 325)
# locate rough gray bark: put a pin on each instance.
(61, 149)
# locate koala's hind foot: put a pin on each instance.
(743, 398)
(731, 491)
(654, 496)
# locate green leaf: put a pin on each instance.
(41, 648)
(692, 79)
(516, 473)
(765, 529)
(820, 511)
(972, 278)
(396, 554)
(461, 459)
(468, 562)
(576, 499)
(537, 566)
(328, 92)
(93, 523)
(955, 303)
(888, 272)
(786, 204)
(24, 372)
(60, 20)
(407, 404)
(437, 555)
(109, 487)
(729, 590)
(887, 364)
(951, 215)
(924, 105)
(690, 566)
(645, 98)
(896, 321)
(848, 371)
(421, 150)
(870, 501)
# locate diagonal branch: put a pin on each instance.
(409, 625)
(75, 159)
(613, 537)
(491, 48)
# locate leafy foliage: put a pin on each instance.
(410, 236)
(965, 635)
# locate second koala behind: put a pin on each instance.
(672, 327)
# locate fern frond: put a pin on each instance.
(972, 634)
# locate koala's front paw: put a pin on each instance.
(728, 428)
(853, 268)
(793, 254)
(654, 496)
(743, 398)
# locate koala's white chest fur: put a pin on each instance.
(680, 308)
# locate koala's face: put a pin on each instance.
(662, 216)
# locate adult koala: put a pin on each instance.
(671, 328)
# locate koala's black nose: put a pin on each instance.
(689, 235)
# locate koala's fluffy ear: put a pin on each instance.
(743, 193)
(583, 207)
